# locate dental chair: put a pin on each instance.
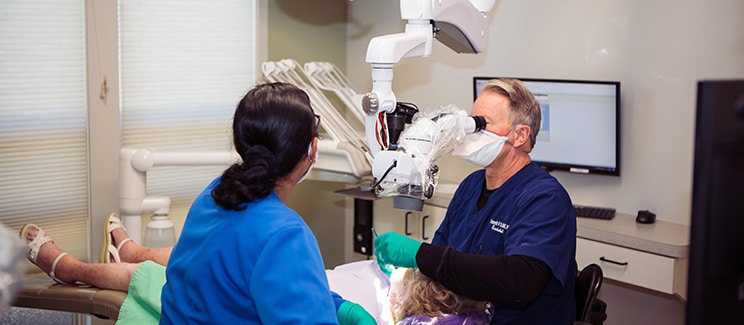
(40, 292)
(589, 309)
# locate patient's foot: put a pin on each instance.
(124, 244)
(48, 252)
(130, 251)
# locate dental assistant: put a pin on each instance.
(509, 234)
(243, 256)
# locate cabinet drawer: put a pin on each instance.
(631, 266)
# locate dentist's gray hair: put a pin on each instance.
(524, 107)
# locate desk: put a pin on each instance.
(656, 254)
(661, 238)
(652, 256)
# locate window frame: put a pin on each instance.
(102, 61)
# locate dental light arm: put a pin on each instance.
(459, 24)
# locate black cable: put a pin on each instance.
(395, 163)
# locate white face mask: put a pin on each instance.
(309, 149)
(481, 148)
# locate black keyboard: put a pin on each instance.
(584, 211)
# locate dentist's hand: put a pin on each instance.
(392, 249)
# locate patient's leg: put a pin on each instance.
(115, 276)
(135, 253)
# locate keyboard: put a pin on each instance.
(584, 211)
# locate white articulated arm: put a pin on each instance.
(461, 25)
(133, 167)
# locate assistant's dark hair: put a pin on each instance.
(272, 128)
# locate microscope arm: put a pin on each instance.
(406, 170)
(459, 24)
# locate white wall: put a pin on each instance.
(657, 49)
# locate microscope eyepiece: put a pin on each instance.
(480, 123)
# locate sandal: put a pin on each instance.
(109, 252)
(35, 245)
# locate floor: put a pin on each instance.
(21, 316)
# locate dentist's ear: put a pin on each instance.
(522, 138)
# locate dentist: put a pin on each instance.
(509, 235)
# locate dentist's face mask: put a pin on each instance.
(481, 148)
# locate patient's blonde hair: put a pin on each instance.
(416, 294)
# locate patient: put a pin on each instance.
(416, 299)
(121, 256)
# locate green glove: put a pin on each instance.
(392, 249)
(350, 313)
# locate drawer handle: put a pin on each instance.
(603, 259)
(423, 227)
(406, 228)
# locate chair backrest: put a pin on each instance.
(587, 287)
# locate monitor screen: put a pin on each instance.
(580, 129)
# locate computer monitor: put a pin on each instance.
(580, 129)
(715, 287)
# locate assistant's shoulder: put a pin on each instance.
(272, 213)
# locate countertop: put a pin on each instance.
(661, 237)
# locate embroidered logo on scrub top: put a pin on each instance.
(499, 226)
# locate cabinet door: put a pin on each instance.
(420, 226)
(431, 218)
(387, 218)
